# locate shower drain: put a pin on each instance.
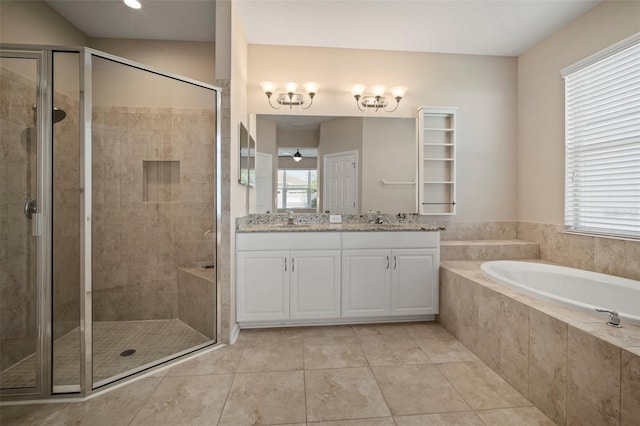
(128, 352)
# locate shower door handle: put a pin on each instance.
(30, 208)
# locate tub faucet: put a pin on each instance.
(290, 218)
(614, 318)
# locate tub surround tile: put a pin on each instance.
(548, 350)
(489, 321)
(484, 250)
(593, 375)
(630, 395)
(514, 344)
(339, 394)
(467, 305)
(632, 254)
(465, 418)
(265, 398)
(548, 394)
(418, 389)
(481, 387)
(627, 336)
(608, 254)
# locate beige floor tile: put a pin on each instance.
(333, 352)
(392, 329)
(441, 347)
(465, 418)
(28, 415)
(265, 398)
(328, 331)
(342, 394)
(482, 387)
(528, 416)
(417, 389)
(260, 336)
(117, 407)
(224, 360)
(392, 350)
(385, 421)
(192, 400)
(271, 357)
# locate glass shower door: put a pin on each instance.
(18, 207)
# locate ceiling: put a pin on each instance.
(482, 27)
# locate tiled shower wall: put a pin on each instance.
(606, 255)
(17, 184)
(146, 226)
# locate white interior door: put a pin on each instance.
(264, 183)
(340, 192)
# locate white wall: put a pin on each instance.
(540, 195)
(190, 59)
(33, 22)
(482, 87)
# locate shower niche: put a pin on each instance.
(161, 181)
(122, 190)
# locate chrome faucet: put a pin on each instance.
(291, 217)
(614, 318)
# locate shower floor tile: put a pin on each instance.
(151, 340)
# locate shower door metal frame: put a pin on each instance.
(41, 220)
(44, 370)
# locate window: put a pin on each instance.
(602, 142)
(297, 189)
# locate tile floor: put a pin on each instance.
(368, 375)
(152, 340)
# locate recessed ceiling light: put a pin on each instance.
(133, 4)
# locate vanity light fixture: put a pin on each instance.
(290, 97)
(133, 4)
(377, 100)
(297, 156)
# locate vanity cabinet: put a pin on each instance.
(386, 280)
(277, 285)
(333, 277)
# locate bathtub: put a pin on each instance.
(574, 288)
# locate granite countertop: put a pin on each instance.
(341, 227)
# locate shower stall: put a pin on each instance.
(108, 219)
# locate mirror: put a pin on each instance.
(246, 158)
(341, 164)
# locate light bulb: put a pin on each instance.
(358, 90)
(378, 91)
(291, 87)
(311, 87)
(268, 86)
(133, 4)
(399, 91)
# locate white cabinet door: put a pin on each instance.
(315, 284)
(414, 281)
(262, 285)
(366, 282)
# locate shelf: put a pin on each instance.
(437, 161)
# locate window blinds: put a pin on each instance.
(602, 143)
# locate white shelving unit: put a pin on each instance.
(437, 160)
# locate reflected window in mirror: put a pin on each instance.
(297, 189)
